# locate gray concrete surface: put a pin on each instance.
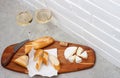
(11, 33)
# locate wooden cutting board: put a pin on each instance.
(66, 66)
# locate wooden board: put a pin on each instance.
(66, 66)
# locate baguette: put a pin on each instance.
(42, 42)
(28, 48)
(45, 38)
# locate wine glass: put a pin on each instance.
(24, 17)
(43, 15)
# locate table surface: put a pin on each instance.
(11, 33)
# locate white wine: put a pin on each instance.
(24, 18)
(43, 15)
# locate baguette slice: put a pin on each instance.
(42, 42)
(22, 60)
(39, 63)
(38, 53)
(45, 58)
(54, 61)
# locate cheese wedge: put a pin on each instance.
(22, 60)
(54, 61)
(38, 53)
(69, 52)
(72, 58)
(79, 51)
(39, 63)
(28, 48)
(84, 55)
(45, 58)
(78, 59)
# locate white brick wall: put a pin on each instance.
(96, 22)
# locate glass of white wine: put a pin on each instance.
(24, 14)
(43, 15)
(24, 18)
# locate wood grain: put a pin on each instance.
(66, 66)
